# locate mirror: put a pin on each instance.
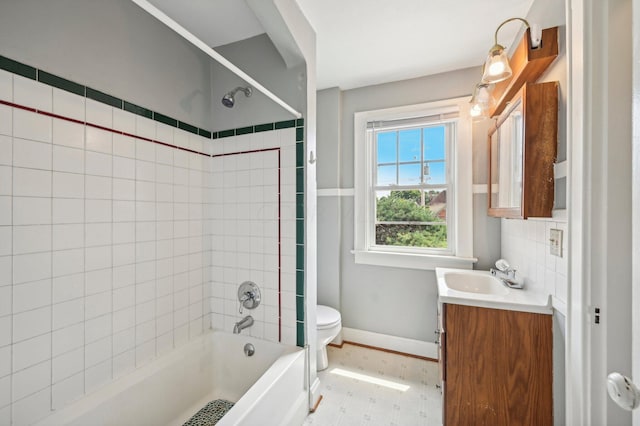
(506, 142)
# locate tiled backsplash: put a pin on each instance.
(108, 218)
(525, 244)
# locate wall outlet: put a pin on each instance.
(555, 242)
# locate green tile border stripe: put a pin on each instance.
(300, 223)
(58, 82)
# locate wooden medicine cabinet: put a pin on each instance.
(522, 152)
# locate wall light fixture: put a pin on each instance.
(497, 68)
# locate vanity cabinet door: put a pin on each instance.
(498, 367)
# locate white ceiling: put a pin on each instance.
(365, 42)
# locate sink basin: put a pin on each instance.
(475, 283)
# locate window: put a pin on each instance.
(413, 186)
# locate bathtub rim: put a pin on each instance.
(77, 408)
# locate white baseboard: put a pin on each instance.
(315, 393)
(393, 343)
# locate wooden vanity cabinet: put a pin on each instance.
(522, 151)
(497, 367)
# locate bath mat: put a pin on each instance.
(210, 414)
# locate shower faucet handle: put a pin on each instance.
(248, 295)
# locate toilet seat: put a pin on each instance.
(327, 317)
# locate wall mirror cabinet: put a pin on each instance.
(522, 151)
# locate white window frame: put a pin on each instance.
(460, 206)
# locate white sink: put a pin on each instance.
(475, 283)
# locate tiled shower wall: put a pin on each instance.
(254, 231)
(108, 216)
(102, 243)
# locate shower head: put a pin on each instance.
(228, 100)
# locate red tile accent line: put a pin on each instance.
(86, 123)
(97, 126)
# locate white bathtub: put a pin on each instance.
(268, 388)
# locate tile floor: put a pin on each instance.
(352, 401)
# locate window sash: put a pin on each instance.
(373, 129)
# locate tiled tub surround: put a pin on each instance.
(105, 243)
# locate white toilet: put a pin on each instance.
(329, 326)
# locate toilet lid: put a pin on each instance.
(326, 316)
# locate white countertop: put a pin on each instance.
(523, 300)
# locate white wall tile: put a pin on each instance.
(5, 240)
(123, 298)
(68, 134)
(29, 211)
(99, 113)
(5, 362)
(31, 352)
(98, 281)
(68, 104)
(124, 167)
(6, 204)
(97, 258)
(68, 313)
(123, 211)
(124, 363)
(67, 288)
(124, 254)
(98, 211)
(97, 234)
(32, 408)
(68, 338)
(124, 146)
(5, 329)
(145, 170)
(31, 267)
(67, 262)
(6, 180)
(97, 376)
(6, 85)
(98, 164)
(67, 390)
(35, 155)
(98, 328)
(123, 275)
(6, 147)
(124, 121)
(97, 305)
(31, 323)
(124, 189)
(123, 320)
(31, 183)
(98, 187)
(32, 126)
(145, 150)
(32, 93)
(97, 352)
(145, 127)
(67, 211)
(67, 159)
(99, 140)
(68, 236)
(31, 295)
(68, 185)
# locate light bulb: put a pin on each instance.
(496, 68)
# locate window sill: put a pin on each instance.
(411, 260)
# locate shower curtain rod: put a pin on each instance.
(162, 17)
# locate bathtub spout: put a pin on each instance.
(245, 322)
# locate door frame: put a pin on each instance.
(599, 187)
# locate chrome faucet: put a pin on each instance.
(245, 322)
(505, 273)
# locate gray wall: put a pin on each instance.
(113, 46)
(395, 301)
(258, 57)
